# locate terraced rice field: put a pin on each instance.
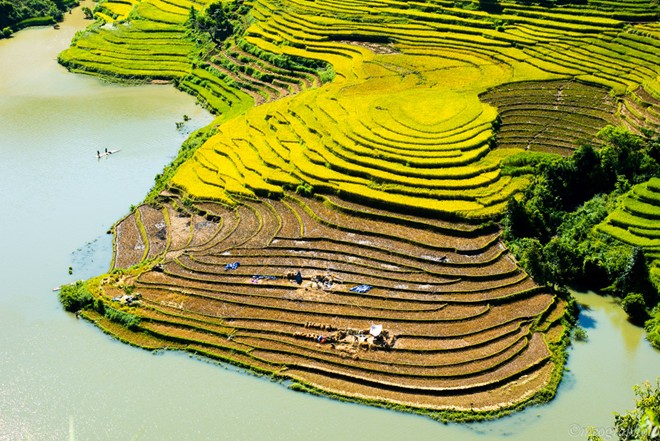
(464, 328)
(406, 123)
(552, 116)
(385, 157)
(637, 222)
(403, 151)
(132, 50)
(150, 41)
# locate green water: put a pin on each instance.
(61, 378)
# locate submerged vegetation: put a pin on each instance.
(336, 224)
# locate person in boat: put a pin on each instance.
(106, 150)
(98, 154)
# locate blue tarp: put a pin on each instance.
(232, 266)
(361, 288)
(260, 277)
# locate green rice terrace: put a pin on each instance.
(336, 226)
(637, 221)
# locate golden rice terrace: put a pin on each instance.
(336, 229)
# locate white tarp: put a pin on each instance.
(376, 330)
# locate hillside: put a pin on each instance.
(361, 153)
(637, 221)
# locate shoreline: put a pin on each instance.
(152, 313)
(147, 258)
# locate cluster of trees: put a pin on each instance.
(550, 229)
(220, 20)
(76, 297)
(17, 14)
(494, 7)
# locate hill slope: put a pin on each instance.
(397, 116)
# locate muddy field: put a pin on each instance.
(380, 307)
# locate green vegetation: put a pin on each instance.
(78, 298)
(405, 130)
(556, 231)
(128, 320)
(75, 297)
(219, 20)
(634, 304)
(643, 422)
(652, 328)
(19, 14)
(580, 334)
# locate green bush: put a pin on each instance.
(652, 328)
(580, 334)
(635, 307)
(99, 306)
(36, 21)
(123, 318)
(635, 276)
(305, 189)
(75, 297)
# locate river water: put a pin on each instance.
(61, 378)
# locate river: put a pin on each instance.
(61, 378)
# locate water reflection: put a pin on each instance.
(630, 336)
(586, 320)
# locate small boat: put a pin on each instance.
(100, 154)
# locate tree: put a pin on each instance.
(215, 21)
(590, 180)
(643, 422)
(532, 259)
(635, 307)
(192, 16)
(562, 263)
(491, 6)
(635, 276)
(88, 13)
(623, 153)
(518, 221)
(75, 297)
(7, 12)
